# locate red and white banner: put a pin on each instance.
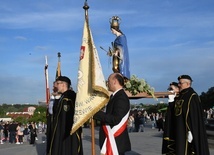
(47, 89)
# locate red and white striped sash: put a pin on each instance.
(109, 146)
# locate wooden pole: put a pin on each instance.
(93, 152)
(145, 95)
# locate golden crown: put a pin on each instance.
(115, 22)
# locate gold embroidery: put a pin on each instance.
(66, 108)
(178, 107)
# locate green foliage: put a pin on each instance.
(151, 108)
(135, 86)
(40, 109)
(22, 120)
(2, 112)
(18, 107)
(161, 105)
(12, 109)
(207, 98)
(39, 113)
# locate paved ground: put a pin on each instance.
(144, 143)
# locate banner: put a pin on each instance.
(47, 89)
(58, 69)
(92, 93)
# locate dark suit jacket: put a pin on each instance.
(116, 109)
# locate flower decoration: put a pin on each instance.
(135, 86)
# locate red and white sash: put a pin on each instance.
(109, 146)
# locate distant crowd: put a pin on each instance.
(19, 133)
(209, 114)
(138, 119)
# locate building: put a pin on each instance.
(27, 113)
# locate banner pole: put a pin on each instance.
(93, 152)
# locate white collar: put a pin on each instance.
(116, 91)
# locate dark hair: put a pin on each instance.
(170, 89)
(64, 79)
(117, 29)
(119, 78)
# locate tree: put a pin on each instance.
(21, 119)
(207, 98)
(39, 115)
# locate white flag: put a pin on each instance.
(92, 93)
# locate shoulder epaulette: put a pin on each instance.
(66, 99)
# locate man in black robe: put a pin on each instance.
(190, 133)
(168, 144)
(50, 115)
(62, 143)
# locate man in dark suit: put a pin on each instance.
(113, 136)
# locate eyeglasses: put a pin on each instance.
(181, 83)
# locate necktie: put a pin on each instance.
(111, 97)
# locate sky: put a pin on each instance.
(166, 38)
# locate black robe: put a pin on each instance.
(32, 134)
(62, 143)
(189, 117)
(49, 130)
(168, 144)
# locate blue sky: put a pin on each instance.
(166, 38)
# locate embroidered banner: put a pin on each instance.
(92, 93)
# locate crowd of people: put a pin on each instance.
(209, 114)
(183, 120)
(138, 119)
(183, 124)
(19, 133)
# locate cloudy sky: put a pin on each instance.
(165, 38)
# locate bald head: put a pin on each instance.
(115, 82)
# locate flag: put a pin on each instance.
(58, 69)
(47, 89)
(92, 93)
